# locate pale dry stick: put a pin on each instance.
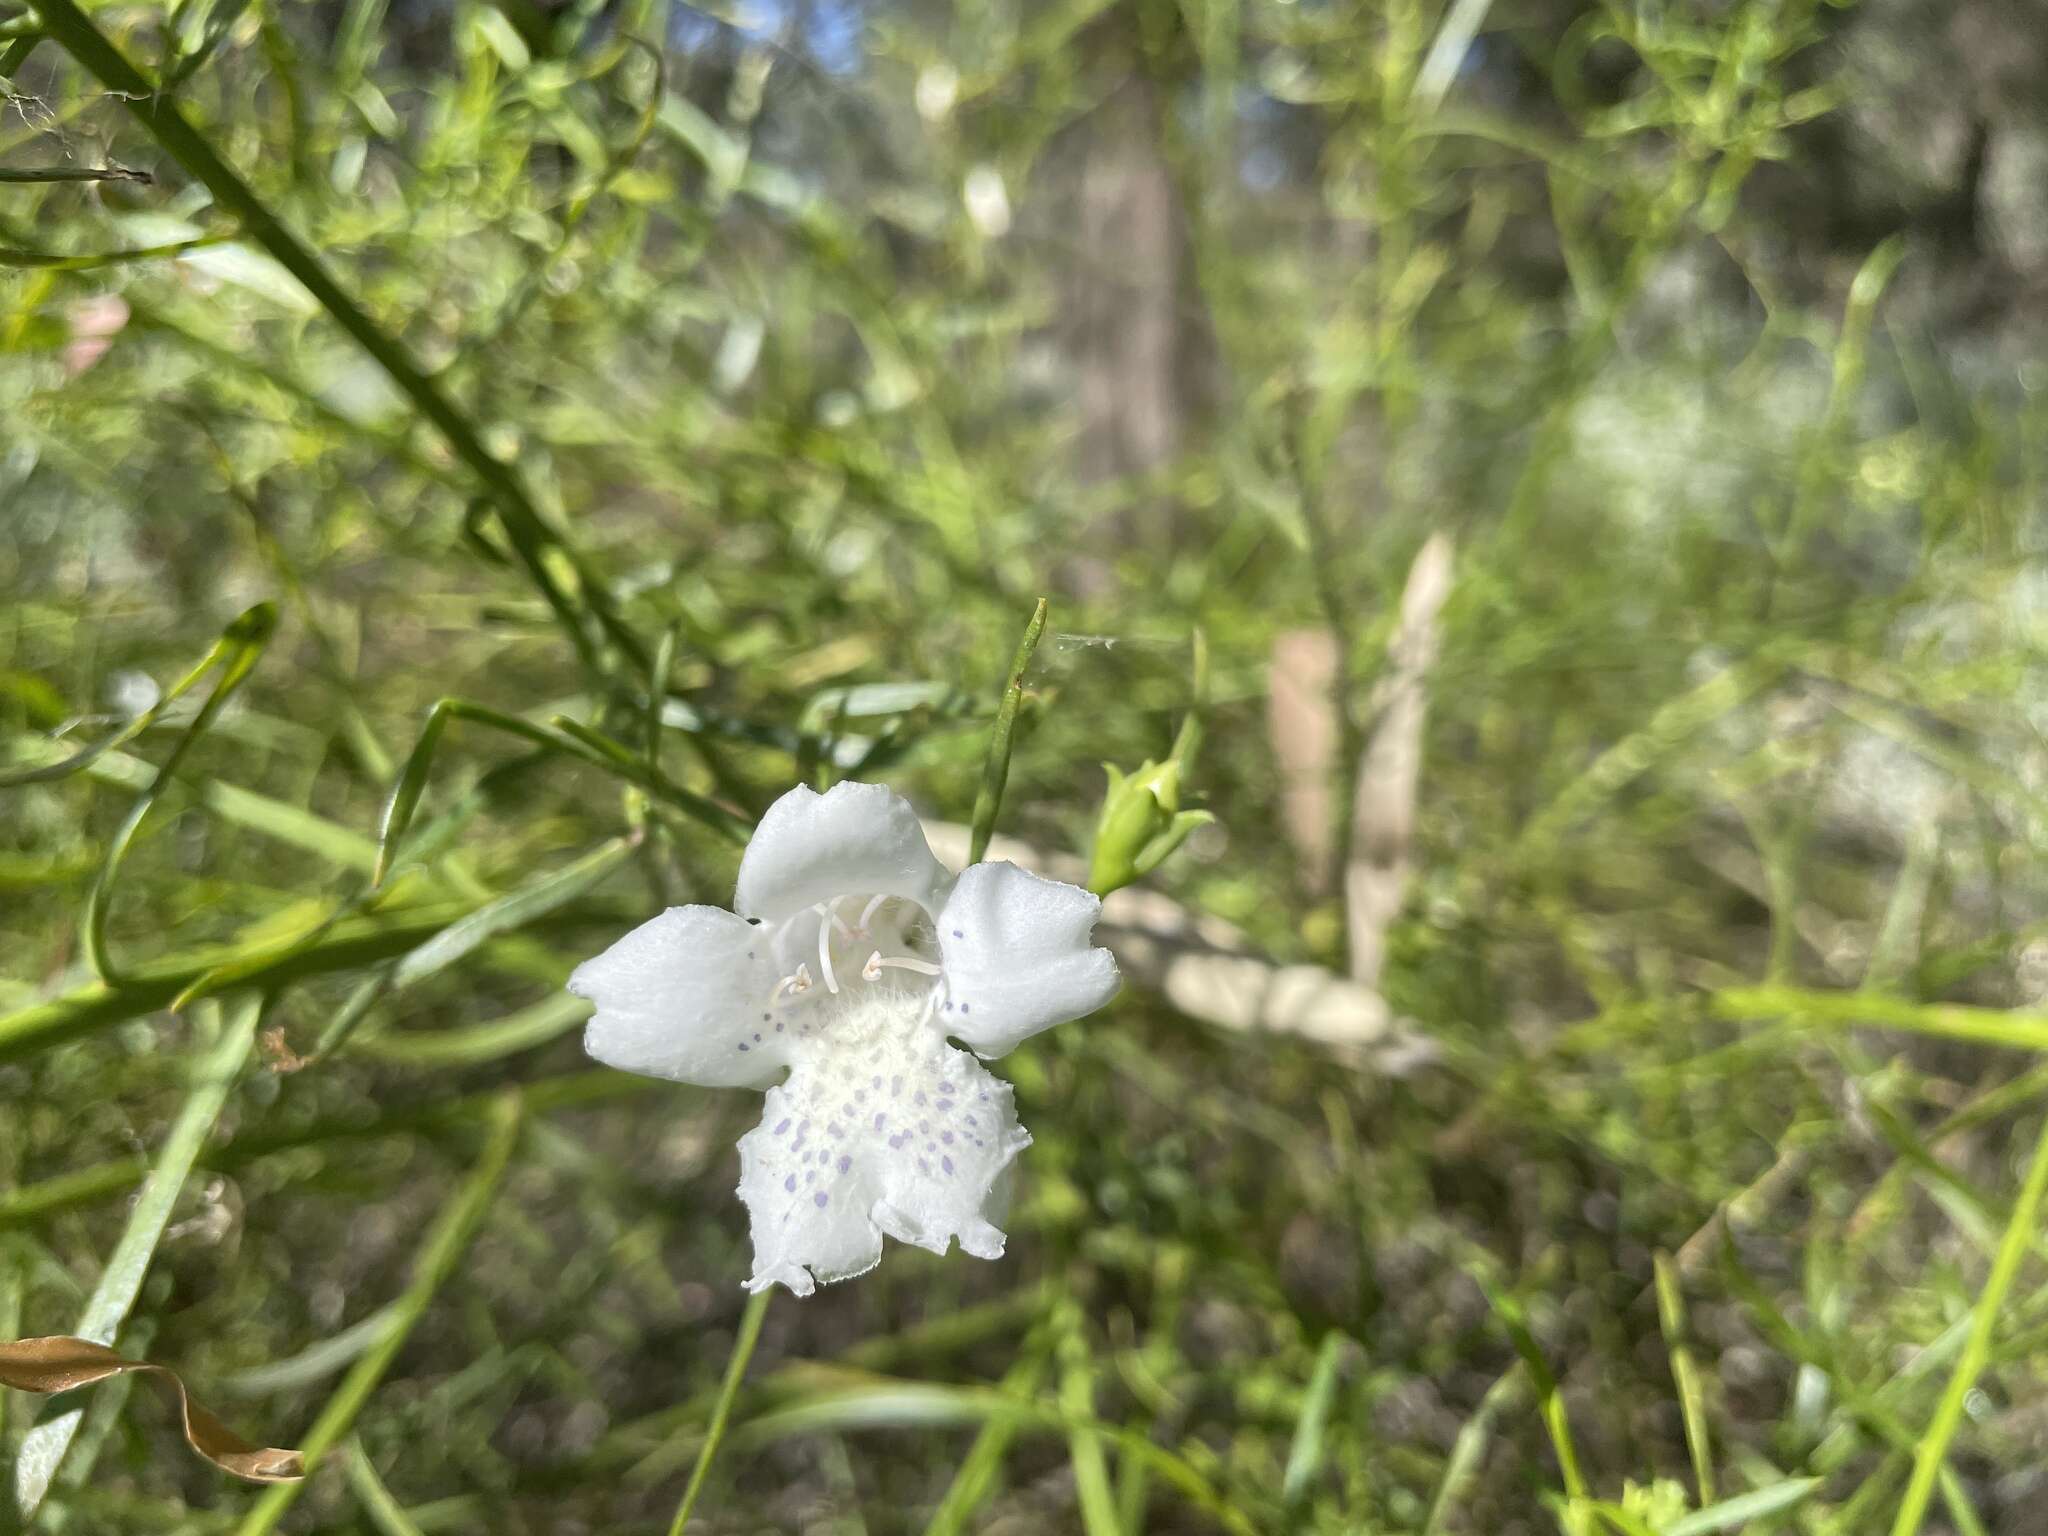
(1209, 970)
(1381, 859)
(1301, 729)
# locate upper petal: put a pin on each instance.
(1015, 950)
(855, 839)
(687, 996)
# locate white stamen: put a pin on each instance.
(825, 954)
(867, 913)
(872, 971)
(904, 963)
(795, 984)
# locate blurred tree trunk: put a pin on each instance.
(1129, 287)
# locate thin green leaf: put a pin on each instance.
(1305, 1453)
(241, 647)
(438, 1256)
(1948, 1021)
(525, 1030)
(350, 943)
(120, 1282)
(995, 772)
(721, 1410)
(1758, 1504)
(158, 112)
(1932, 1447)
(1692, 1404)
(383, 1511)
(514, 910)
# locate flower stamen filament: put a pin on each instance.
(877, 963)
(825, 952)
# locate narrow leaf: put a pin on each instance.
(996, 772)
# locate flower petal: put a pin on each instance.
(905, 1136)
(1017, 959)
(686, 996)
(853, 840)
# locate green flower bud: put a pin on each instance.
(1141, 823)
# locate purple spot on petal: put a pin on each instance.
(972, 1121)
(956, 934)
(923, 1166)
(845, 1163)
(946, 1137)
(949, 1005)
(757, 1037)
(821, 1199)
(778, 1029)
(946, 1163)
(880, 1121)
(790, 1183)
(874, 1082)
(945, 1104)
(963, 1008)
(782, 1127)
(895, 1085)
(743, 1045)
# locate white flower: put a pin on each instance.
(852, 957)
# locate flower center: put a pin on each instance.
(873, 959)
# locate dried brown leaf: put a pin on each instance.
(60, 1363)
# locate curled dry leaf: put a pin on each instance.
(59, 1363)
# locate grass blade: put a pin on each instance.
(1692, 1403)
(42, 1452)
(382, 1510)
(438, 1256)
(1947, 1021)
(976, 1479)
(1305, 1454)
(1933, 1445)
(1470, 1445)
(1759, 1503)
(1084, 1446)
(721, 1411)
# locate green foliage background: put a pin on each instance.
(727, 383)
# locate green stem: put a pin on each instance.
(996, 773)
(2012, 1248)
(158, 112)
(438, 1257)
(721, 1411)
